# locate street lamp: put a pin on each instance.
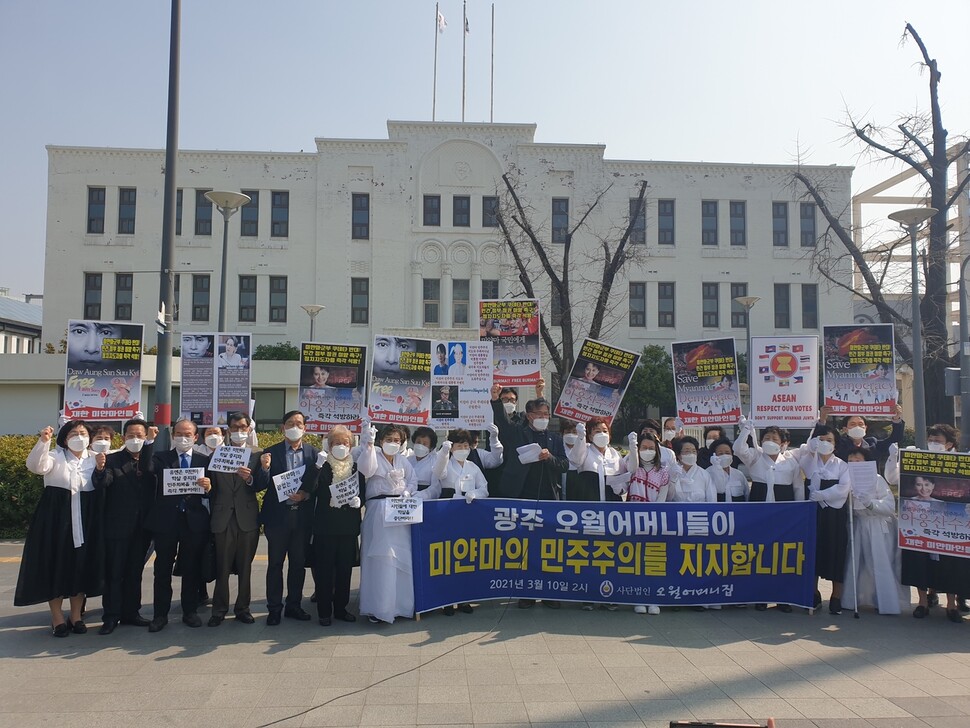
(910, 220)
(227, 203)
(964, 360)
(748, 303)
(312, 309)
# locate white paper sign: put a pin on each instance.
(529, 453)
(182, 481)
(403, 511)
(289, 482)
(228, 459)
(784, 387)
(863, 476)
(346, 490)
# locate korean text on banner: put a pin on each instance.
(859, 371)
(513, 329)
(706, 382)
(400, 382)
(289, 482)
(599, 378)
(934, 502)
(182, 481)
(103, 370)
(332, 385)
(461, 379)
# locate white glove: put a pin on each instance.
(893, 450)
(446, 446)
(406, 494)
(632, 440)
(333, 502)
(493, 428)
(813, 445)
(368, 434)
(581, 430)
(617, 488)
(321, 459)
(469, 497)
(815, 495)
(355, 502)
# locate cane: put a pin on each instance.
(855, 569)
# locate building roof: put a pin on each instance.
(18, 312)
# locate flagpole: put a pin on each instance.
(434, 92)
(464, 41)
(491, 90)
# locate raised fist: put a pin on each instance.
(264, 460)
(46, 434)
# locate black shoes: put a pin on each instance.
(192, 620)
(835, 605)
(135, 620)
(466, 608)
(62, 630)
(761, 607)
(108, 626)
(296, 613)
(448, 611)
(346, 617)
(324, 621)
(786, 608)
(527, 603)
(551, 604)
(273, 619)
(921, 612)
(245, 618)
(157, 624)
(954, 616)
(215, 620)
(78, 627)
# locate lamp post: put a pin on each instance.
(227, 203)
(964, 359)
(312, 309)
(748, 302)
(910, 220)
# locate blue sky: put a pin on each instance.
(716, 81)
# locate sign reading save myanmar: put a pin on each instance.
(621, 553)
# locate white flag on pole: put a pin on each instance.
(442, 23)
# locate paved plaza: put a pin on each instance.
(500, 666)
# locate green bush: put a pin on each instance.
(19, 488)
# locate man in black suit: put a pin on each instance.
(235, 525)
(287, 523)
(179, 524)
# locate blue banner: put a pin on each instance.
(674, 554)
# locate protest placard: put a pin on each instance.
(512, 327)
(228, 459)
(706, 382)
(216, 377)
(289, 482)
(934, 502)
(461, 380)
(859, 371)
(346, 490)
(403, 511)
(597, 382)
(784, 392)
(400, 382)
(182, 481)
(103, 370)
(332, 385)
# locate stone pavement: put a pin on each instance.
(497, 666)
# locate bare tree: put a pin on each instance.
(919, 141)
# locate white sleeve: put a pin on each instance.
(892, 470)
(432, 492)
(710, 492)
(748, 455)
(884, 504)
(577, 455)
(492, 458)
(39, 460)
(367, 461)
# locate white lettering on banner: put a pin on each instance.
(182, 481)
(403, 511)
(289, 482)
(228, 459)
(345, 490)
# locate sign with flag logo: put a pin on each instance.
(787, 393)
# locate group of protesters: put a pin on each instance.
(102, 512)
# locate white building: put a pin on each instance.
(20, 325)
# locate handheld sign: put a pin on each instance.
(403, 511)
(346, 490)
(182, 481)
(228, 459)
(289, 482)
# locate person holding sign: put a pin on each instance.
(179, 524)
(62, 551)
(128, 481)
(596, 461)
(287, 521)
(773, 472)
(854, 435)
(336, 526)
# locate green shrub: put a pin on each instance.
(19, 488)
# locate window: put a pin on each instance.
(779, 224)
(280, 217)
(277, 299)
(247, 298)
(126, 210)
(555, 308)
(432, 210)
(432, 299)
(638, 305)
(359, 300)
(638, 233)
(665, 305)
(95, 210)
(461, 211)
(560, 219)
(809, 306)
(782, 306)
(739, 314)
(489, 289)
(360, 216)
(178, 212)
(710, 314)
(249, 218)
(665, 222)
(92, 296)
(807, 219)
(200, 297)
(176, 293)
(739, 223)
(203, 226)
(123, 288)
(459, 302)
(709, 222)
(489, 211)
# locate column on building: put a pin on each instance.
(446, 304)
(417, 296)
(474, 295)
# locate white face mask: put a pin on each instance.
(856, 433)
(340, 452)
(670, 434)
(77, 443)
(710, 441)
(540, 423)
(239, 438)
(391, 448)
(647, 456)
(183, 444)
(100, 446)
(770, 447)
(571, 438)
(825, 447)
(460, 455)
(601, 439)
(293, 434)
(134, 444)
(420, 450)
(690, 459)
(724, 460)
(509, 407)
(936, 446)
(213, 441)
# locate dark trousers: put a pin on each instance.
(188, 545)
(286, 542)
(333, 564)
(234, 547)
(124, 562)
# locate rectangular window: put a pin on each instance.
(638, 305)
(432, 301)
(739, 314)
(489, 211)
(126, 210)
(360, 212)
(280, 216)
(178, 212)
(92, 296)
(709, 222)
(359, 300)
(432, 210)
(277, 299)
(203, 223)
(247, 298)
(123, 289)
(555, 309)
(200, 296)
(489, 289)
(249, 217)
(460, 289)
(560, 219)
(176, 294)
(710, 303)
(807, 219)
(95, 210)
(461, 211)
(782, 306)
(638, 233)
(665, 222)
(779, 224)
(739, 223)
(665, 305)
(809, 306)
